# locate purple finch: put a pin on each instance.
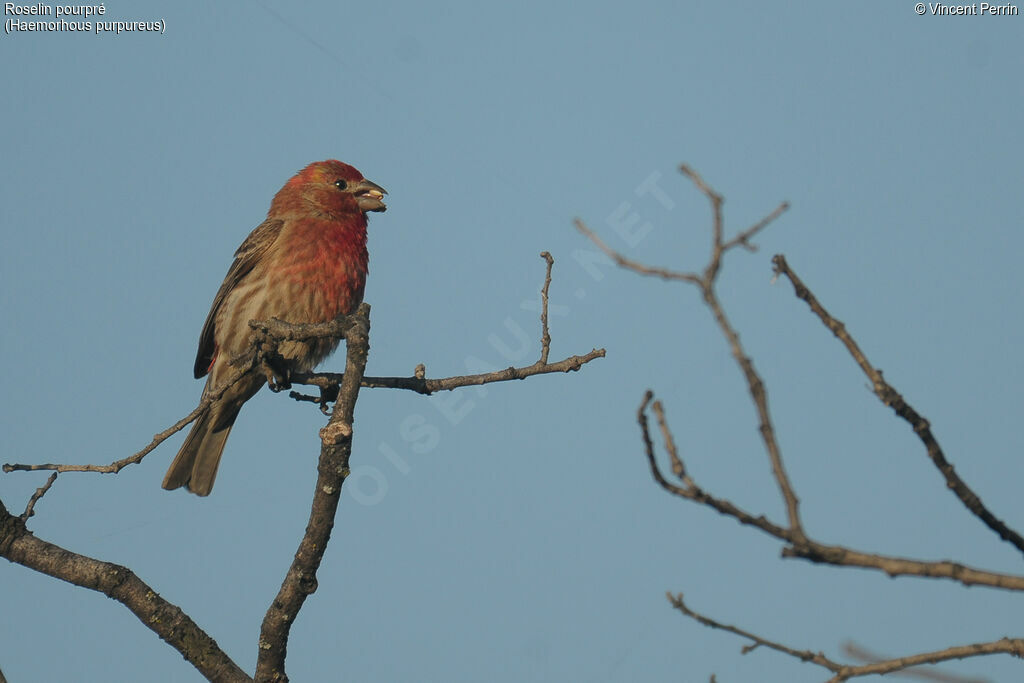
(306, 263)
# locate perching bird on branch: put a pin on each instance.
(306, 263)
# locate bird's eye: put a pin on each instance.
(341, 184)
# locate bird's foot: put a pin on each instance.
(328, 395)
(278, 374)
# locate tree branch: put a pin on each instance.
(30, 509)
(165, 619)
(300, 581)
(706, 284)
(267, 334)
(892, 398)
(328, 382)
(798, 544)
(844, 672)
(926, 674)
(333, 468)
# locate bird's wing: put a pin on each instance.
(246, 258)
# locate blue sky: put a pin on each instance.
(526, 541)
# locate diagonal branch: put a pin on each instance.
(167, 620)
(844, 672)
(630, 264)
(706, 284)
(267, 334)
(30, 509)
(857, 652)
(892, 398)
(759, 395)
(243, 364)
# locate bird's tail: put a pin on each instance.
(195, 466)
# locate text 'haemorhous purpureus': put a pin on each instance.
(306, 263)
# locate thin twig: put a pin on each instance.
(892, 398)
(843, 672)
(630, 264)
(267, 334)
(422, 385)
(40, 492)
(117, 465)
(678, 468)
(803, 655)
(743, 238)
(706, 284)
(855, 651)
(717, 224)
(545, 336)
(759, 396)
(803, 547)
(691, 491)
(244, 362)
(799, 545)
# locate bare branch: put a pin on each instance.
(165, 619)
(630, 264)
(118, 465)
(691, 491)
(706, 284)
(670, 445)
(743, 238)
(803, 547)
(1010, 646)
(267, 334)
(798, 544)
(335, 451)
(900, 566)
(890, 397)
(922, 673)
(262, 351)
(844, 672)
(759, 395)
(328, 382)
(421, 385)
(134, 459)
(717, 227)
(803, 655)
(545, 336)
(40, 492)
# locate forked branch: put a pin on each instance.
(797, 544)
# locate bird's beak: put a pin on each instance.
(369, 196)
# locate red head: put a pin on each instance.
(330, 189)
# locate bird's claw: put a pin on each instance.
(327, 395)
(278, 375)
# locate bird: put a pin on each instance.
(306, 263)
